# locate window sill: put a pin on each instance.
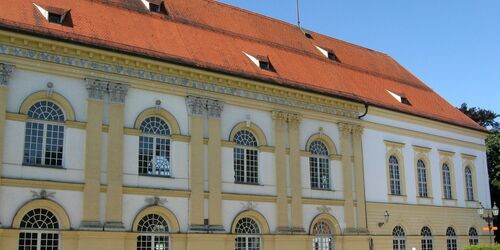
(323, 189)
(397, 195)
(157, 176)
(247, 183)
(43, 166)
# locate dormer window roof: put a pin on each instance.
(262, 62)
(156, 6)
(328, 54)
(52, 14)
(400, 98)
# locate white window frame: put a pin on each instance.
(423, 187)
(469, 184)
(395, 189)
(447, 182)
(39, 234)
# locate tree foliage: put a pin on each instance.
(483, 117)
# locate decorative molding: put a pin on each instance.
(357, 130)
(324, 209)
(468, 157)
(294, 118)
(394, 144)
(279, 115)
(96, 88)
(6, 71)
(421, 149)
(43, 194)
(117, 92)
(344, 129)
(446, 153)
(196, 105)
(214, 108)
(156, 201)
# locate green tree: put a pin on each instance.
(483, 117)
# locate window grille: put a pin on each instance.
(451, 239)
(154, 147)
(39, 231)
(319, 164)
(447, 182)
(468, 184)
(426, 238)
(399, 238)
(248, 235)
(473, 236)
(153, 233)
(44, 135)
(394, 175)
(246, 167)
(323, 237)
(422, 179)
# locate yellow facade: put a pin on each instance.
(361, 218)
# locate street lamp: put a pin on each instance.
(386, 219)
(488, 215)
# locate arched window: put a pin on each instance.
(451, 239)
(422, 179)
(323, 237)
(468, 184)
(44, 135)
(39, 231)
(319, 163)
(426, 238)
(154, 147)
(399, 238)
(473, 236)
(246, 167)
(248, 235)
(447, 182)
(153, 233)
(394, 175)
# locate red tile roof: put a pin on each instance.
(211, 35)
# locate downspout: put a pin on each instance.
(366, 111)
(372, 246)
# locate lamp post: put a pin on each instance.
(488, 215)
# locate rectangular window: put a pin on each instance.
(43, 144)
(154, 7)
(447, 185)
(154, 156)
(422, 182)
(246, 168)
(395, 180)
(54, 18)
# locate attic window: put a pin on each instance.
(55, 18)
(328, 54)
(52, 14)
(261, 61)
(155, 6)
(400, 98)
(306, 33)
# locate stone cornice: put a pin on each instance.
(65, 54)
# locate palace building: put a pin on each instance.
(192, 124)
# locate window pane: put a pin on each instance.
(146, 145)
(54, 145)
(33, 143)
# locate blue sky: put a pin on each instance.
(453, 46)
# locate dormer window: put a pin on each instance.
(400, 98)
(328, 54)
(52, 14)
(306, 33)
(264, 65)
(55, 18)
(156, 6)
(261, 61)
